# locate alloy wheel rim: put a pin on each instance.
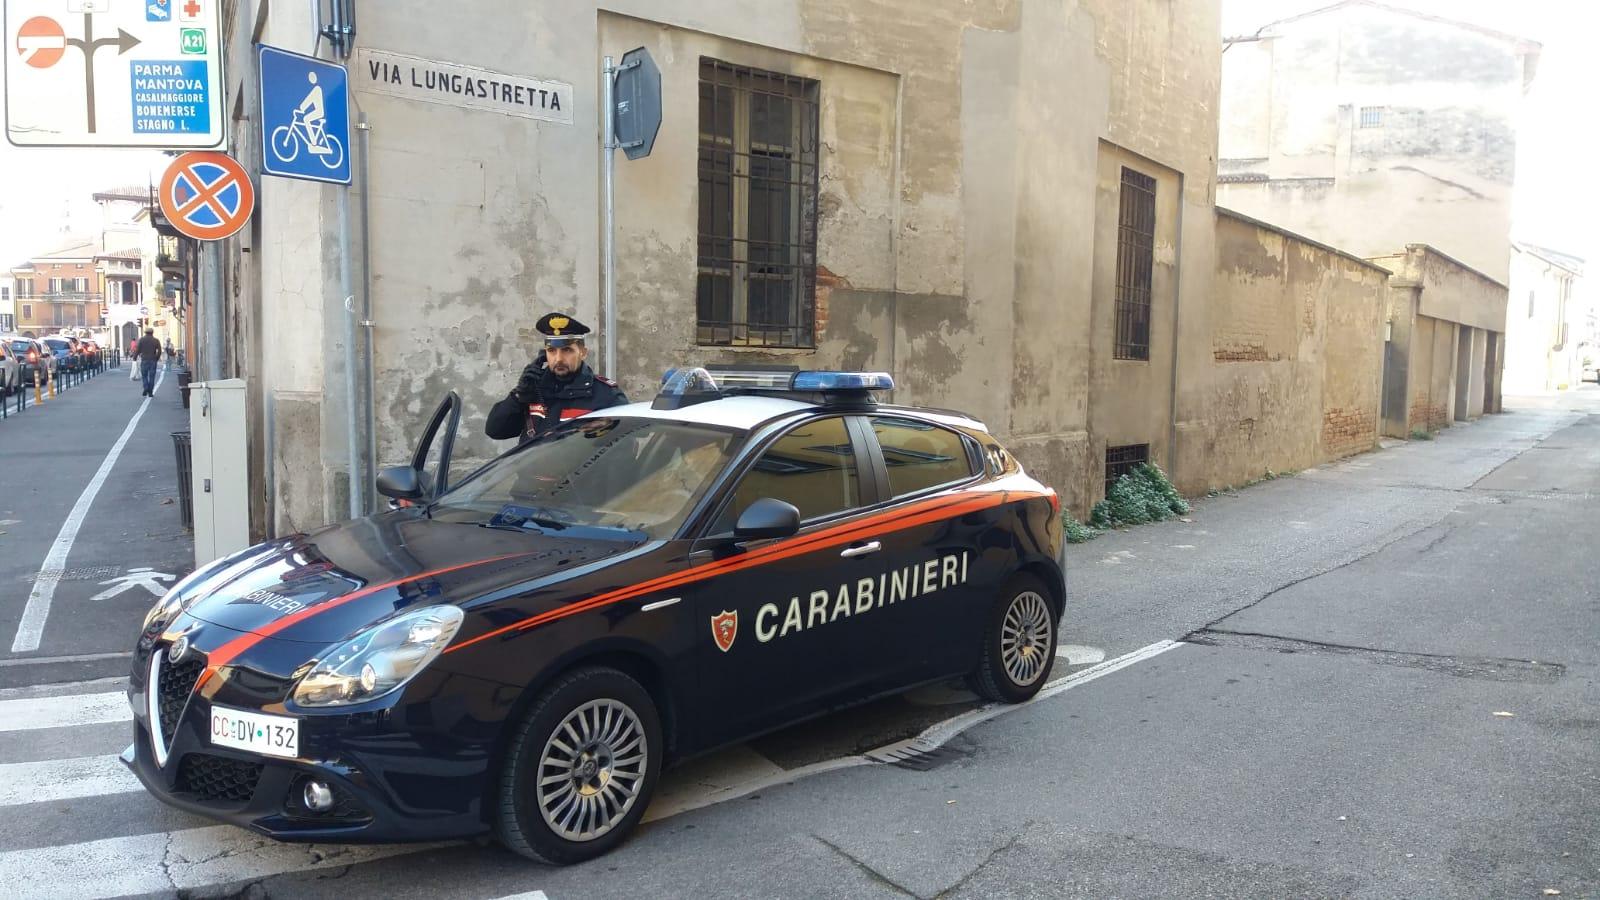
(1025, 638)
(591, 770)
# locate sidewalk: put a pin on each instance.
(90, 522)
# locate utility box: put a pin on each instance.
(221, 484)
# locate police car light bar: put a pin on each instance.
(689, 385)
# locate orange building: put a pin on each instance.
(60, 289)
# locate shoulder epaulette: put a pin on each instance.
(605, 381)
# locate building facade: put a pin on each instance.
(1547, 328)
(1369, 127)
(1008, 204)
(59, 289)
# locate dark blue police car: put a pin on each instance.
(523, 652)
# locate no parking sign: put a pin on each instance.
(207, 196)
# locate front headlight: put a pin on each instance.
(380, 659)
(174, 601)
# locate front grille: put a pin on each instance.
(218, 778)
(177, 682)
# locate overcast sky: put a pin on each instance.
(1557, 195)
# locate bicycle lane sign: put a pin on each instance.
(305, 117)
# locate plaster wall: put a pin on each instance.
(959, 226)
(1541, 302)
(1295, 339)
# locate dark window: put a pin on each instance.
(757, 253)
(1123, 460)
(27, 311)
(1136, 241)
(812, 467)
(1371, 117)
(919, 455)
(24, 287)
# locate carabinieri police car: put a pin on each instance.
(523, 652)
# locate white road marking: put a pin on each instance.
(31, 628)
(530, 895)
(1080, 655)
(65, 779)
(60, 712)
(172, 861)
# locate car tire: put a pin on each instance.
(1019, 643)
(595, 808)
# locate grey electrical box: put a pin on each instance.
(221, 479)
(637, 103)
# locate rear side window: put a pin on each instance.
(812, 467)
(919, 455)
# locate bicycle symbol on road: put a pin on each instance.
(306, 130)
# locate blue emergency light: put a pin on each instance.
(686, 386)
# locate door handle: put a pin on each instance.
(862, 550)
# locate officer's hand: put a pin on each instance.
(527, 389)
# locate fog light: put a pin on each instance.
(318, 796)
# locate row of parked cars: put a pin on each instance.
(23, 360)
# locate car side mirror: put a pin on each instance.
(400, 483)
(767, 518)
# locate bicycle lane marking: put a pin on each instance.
(31, 629)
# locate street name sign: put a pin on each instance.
(452, 84)
(207, 196)
(305, 117)
(130, 73)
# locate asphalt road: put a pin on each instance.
(1374, 679)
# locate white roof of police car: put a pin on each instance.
(745, 412)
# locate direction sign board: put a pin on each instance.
(207, 196)
(638, 103)
(305, 117)
(92, 73)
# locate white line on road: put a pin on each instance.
(60, 712)
(31, 628)
(174, 860)
(65, 779)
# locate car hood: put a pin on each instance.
(327, 585)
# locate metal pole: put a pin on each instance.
(608, 165)
(368, 419)
(358, 506)
(211, 300)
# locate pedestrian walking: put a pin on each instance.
(171, 352)
(556, 386)
(149, 352)
(133, 360)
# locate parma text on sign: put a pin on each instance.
(430, 81)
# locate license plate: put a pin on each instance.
(256, 732)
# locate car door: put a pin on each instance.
(782, 637)
(945, 557)
(430, 460)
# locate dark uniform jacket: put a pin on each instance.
(583, 392)
(148, 348)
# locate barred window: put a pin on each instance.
(1371, 117)
(758, 208)
(1123, 460)
(1136, 240)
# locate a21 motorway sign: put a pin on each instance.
(114, 73)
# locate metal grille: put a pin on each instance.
(218, 778)
(177, 681)
(1136, 241)
(758, 208)
(1371, 117)
(1123, 460)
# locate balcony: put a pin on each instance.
(71, 296)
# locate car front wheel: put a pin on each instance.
(581, 768)
(1019, 643)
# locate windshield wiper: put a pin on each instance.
(524, 521)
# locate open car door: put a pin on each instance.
(419, 482)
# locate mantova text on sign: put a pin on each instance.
(414, 78)
(113, 74)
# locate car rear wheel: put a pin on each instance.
(1019, 644)
(581, 768)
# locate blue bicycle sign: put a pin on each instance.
(305, 117)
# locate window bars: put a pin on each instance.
(1123, 460)
(1136, 237)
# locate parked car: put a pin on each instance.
(35, 357)
(522, 653)
(10, 370)
(64, 351)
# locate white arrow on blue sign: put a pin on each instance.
(305, 117)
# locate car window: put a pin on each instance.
(618, 475)
(812, 467)
(920, 455)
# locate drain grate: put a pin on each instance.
(82, 573)
(917, 755)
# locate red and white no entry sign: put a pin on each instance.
(41, 42)
(207, 196)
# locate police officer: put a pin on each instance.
(557, 385)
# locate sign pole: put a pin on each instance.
(608, 164)
(211, 302)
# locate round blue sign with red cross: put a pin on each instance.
(207, 196)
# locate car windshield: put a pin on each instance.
(630, 477)
(57, 344)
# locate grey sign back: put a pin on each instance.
(638, 103)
